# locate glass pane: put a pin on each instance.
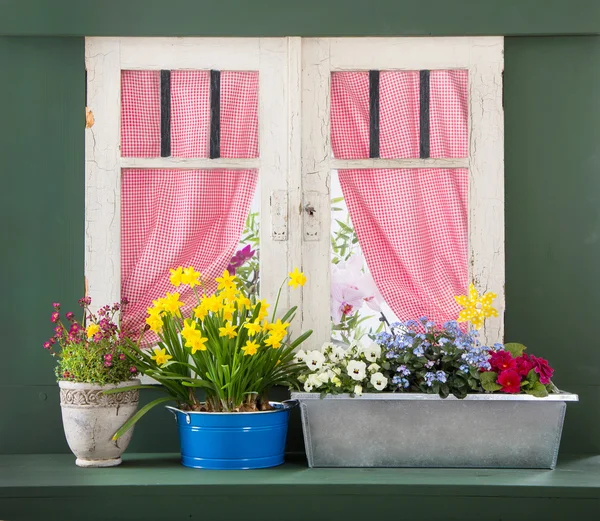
(399, 247)
(399, 114)
(172, 218)
(168, 113)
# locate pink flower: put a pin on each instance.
(108, 358)
(70, 315)
(542, 368)
(56, 305)
(58, 329)
(107, 364)
(122, 356)
(510, 381)
(47, 345)
(133, 369)
(54, 317)
(85, 301)
(524, 365)
(502, 361)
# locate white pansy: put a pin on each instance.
(302, 378)
(336, 381)
(323, 377)
(300, 356)
(372, 352)
(378, 381)
(314, 360)
(337, 371)
(358, 390)
(337, 354)
(373, 368)
(356, 369)
(312, 382)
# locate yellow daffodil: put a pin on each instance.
(200, 311)
(176, 276)
(274, 341)
(229, 330)
(225, 281)
(160, 356)
(159, 304)
(212, 303)
(191, 277)
(91, 330)
(229, 294)
(197, 343)
(189, 326)
(243, 302)
(253, 328)
(476, 308)
(266, 325)
(297, 278)
(279, 328)
(155, 322)
(263, 313)
(172, 303)
(250, 348)
(228, 312)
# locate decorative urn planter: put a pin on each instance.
(233, 440)
(424, 430)
(90, 418)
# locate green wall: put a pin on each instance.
(552, 106)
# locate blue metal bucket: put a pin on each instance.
(238, 440)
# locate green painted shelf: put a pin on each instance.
(156, 486)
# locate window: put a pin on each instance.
(331, 113)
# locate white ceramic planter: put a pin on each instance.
(90, 418)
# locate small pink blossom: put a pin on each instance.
(47, 345)
(56, 305)
(70, 315)
(133, 369)
(107, 363)
(54, 317)
(108, 357)
(122, 356)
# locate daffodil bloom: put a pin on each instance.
(476, 308)
(160, 356)
(159, 304)
(253, 328)
(297, 278)
(154, 320)
(200, 311)
(176, 276)
(279, 327)
(250, 348)
(194, 339)
(230, 294)
(172, 303)
(229, 330)
(228, 312)
(273, 341)
(212, 303)
(226, 280)
(189, 327)
(91, 330)
(263, 313)
(243, 301)
(191, 277)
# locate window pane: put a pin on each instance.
(172, 218)
(411, 227)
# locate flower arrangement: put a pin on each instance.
(226, 345)
(419, 356)
(92, 353)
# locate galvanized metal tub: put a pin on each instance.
(424, 430)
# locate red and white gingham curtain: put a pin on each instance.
(182, 217)
(176, 218)
(412, 224)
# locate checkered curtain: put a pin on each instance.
(412, 224)
(182, 217)
(175, 217)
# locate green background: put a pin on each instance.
(552, 155)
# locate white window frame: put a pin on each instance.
(295, 151)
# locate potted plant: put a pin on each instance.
(227, 347)
(421, 395)
(91, 360)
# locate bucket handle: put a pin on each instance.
(174, 410)
(291, 403)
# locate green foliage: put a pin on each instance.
(249, 272)
(514, 349)
(488, 381)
